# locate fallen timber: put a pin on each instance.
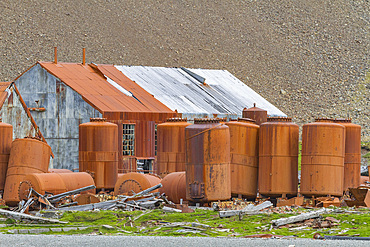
(249, 209)
(301, 217)
(22, 216)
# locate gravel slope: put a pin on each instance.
(308, 57)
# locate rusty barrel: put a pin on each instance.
(52, 170)
(135, 182)
(27, 156)
(98, 151)
(6, 138)
(174, 186)
(54, 183)
(352, 155)
(278, 157)
(255, 113)
(207, 161)
(171, 146)
(323, 147)
(244, 157)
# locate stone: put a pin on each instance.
(67, 229)
(56, 229)
(22, 231)
(38, 230)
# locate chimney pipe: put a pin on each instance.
(55, 55)
(83, 56)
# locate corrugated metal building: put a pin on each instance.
(71, 93)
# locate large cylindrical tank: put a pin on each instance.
(52, 170)
(6, 138)
(174, 186)
(98, 151)
(134, 182)
(171, 146)
(322, 166)
(255, 113)
(207, 161)
(54, 183)
(27, 156)
(278, 157)
(244, 157)
(352, 156)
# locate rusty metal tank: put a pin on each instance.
(98, 151)
(54, 183)
(207, 161)
(6, 138)
(364, 181)
(135, 182)
(278, 157)
(255, 113)
(52, 170)
(28, 155)
(171, 146)
(244, 157)
(174, 186)
(352, 155)
(322, 166)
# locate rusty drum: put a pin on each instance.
(323, 147)
(54, 183)
(6, 138)
(27, 156)
(255, 113)
(59, 171)
(174, 186)
(352, 155)
(171, 146)
(244, 157)
(207, 161)
(278, 157)
(134, 182)
(98, 151)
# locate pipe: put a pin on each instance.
(83, 56)
(55, 55)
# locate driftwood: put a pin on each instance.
(20, 216)
(168, 209)
(56, 198)
(249, 209)
(301, 217)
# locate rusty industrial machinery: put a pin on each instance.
(278, 157)
(52, 170)
(323, 147)
(255, 113)
(98, 151)
(171, 146)
(54, 183)
(129, 183)
(27, 156)
(352, 156)
(6, 138)
(174, 187)
(207, 161)
(244, 157)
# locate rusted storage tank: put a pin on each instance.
(244, 157)
(278, 157)
(364, 180)
(6, 138)
(322, 166)
(352, 155)
(28, 155)
(52, 170)
(207, 161)
(171, 146)
(174, 186)
(98, 151)
(255, 113)
(54, 183)
(135, 182)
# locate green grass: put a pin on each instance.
(300, 156)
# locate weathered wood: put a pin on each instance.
(68, 193)
(249, 209)
(21, 216)
(92, 206)
(149, 190)
(168, 209)
(301, 217)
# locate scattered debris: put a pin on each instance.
(249, 209)
(301, 217)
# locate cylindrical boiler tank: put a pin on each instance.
(98, 151)
(322, 166)
(207, 161)
(134, 182)
(244, 157)
(54, 183)
(255, 113)
(352, 156)
(27, 155)
(174, 186)
(171, 146)
(6, 138)
(52, 170)
(278, 157)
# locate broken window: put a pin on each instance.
(128, 140)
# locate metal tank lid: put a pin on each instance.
(206, 120)
(98, 119)
(254, 108)
(176, 119)
(37, 138)
(247, 120)
(279, 119)
(324, 120)
(342, 120)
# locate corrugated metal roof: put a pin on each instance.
(222, 94)
(90, 81)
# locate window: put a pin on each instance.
(155, 140)
(128, 140)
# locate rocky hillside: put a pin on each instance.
(308, 57)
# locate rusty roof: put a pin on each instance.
(4, 92)
(106, 88)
